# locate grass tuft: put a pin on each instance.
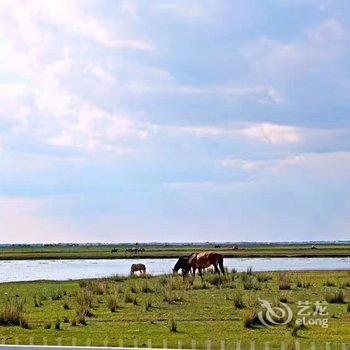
(284, 282)
(85, 298)
(303, 284)
(148, 304)
(37, 301)
(250, 318)
(79, 319)
(134, 289)
(56, 295)
(295, 328)
(112, 303)
(128, 298)
(336, 297)
(263, 277)
(171, 297)
(329, 283)
(173, 325)
(213, 279)
(283, 297)
(238, 301)
(12, 314)
(251, 283)
(201, 285)
(58, 325)
(146, 288)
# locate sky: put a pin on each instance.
(124, 121)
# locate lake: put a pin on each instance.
(31, 270)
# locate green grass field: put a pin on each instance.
(168, 251)
(149, 311)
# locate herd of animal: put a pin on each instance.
(129, 250)
(191, 263)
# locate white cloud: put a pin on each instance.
(192, 185)
(207, 185)
(44, 103)
(272, 133)
(270, 164)
(101, 73)
(317, 48)
(189, 9)
(267, 132)
(166, 84)
(241, 163)
(328, 165)
(96, 130)
(70, 16)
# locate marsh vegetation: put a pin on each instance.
(150, 309)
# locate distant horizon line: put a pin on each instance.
(175, 243)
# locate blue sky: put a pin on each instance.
(174, 120)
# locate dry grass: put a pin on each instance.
(58, 325)
(250, 318)
(146, 288)
(238, 301)
(329, 283)
(213, 279)
(263, 277)
(335, 297)
(303, 284)
(148, 304)
(172, 297)
(173, 325)
(12, 314)
(284, 282)
(98, 287)
(85, 298)
(56, 295)
(113, 303)
(134, 289)
(283, 297)
(251, 283)
(128, 298)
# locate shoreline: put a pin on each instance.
(165, 274)
(172, 255)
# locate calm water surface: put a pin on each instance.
(31, 270)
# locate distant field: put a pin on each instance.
(149, 311)
(105, 252)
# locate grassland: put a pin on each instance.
(168, 251)
(148, 311)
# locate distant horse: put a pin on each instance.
(201, 261)
(138, 267)
(134, 250)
